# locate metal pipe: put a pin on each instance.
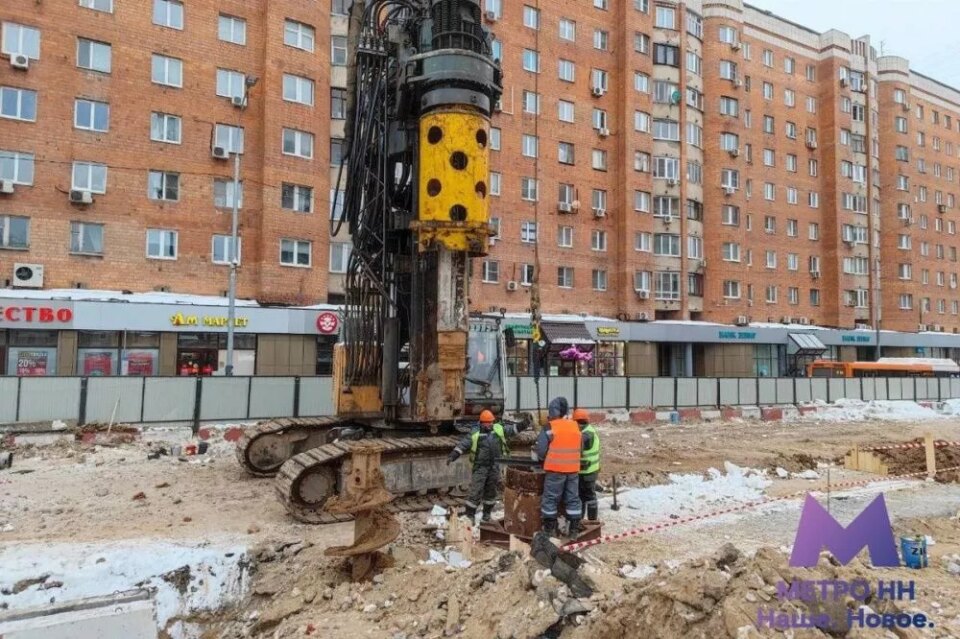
(233, 259)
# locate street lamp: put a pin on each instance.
(233, 256)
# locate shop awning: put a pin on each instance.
(807, 344)
(566, 333)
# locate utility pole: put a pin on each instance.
(232, 253)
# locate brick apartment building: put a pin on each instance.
(670, 160)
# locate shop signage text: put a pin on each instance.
(738, 335)
(41, 314)
(205, 320)
(608, 331)
(856, 339)
(327, 323)
(520, 331)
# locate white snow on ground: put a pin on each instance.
(684, 495)
(219, 574)
(950, 407)
(880, 409)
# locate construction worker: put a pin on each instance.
(559, 446)
(486, 445)
(589, 463)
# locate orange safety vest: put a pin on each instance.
(563, 455)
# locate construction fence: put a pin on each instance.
(195, 400)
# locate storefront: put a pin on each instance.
(97, 333)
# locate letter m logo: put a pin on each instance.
(818, 528)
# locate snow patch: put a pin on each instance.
(216, 575)
(879, 409)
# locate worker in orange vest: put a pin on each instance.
(559, 446)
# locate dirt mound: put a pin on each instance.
(794, 463)
(902, 461)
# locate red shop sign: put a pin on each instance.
(327, 323)
(35, 314)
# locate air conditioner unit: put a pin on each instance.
(905, 106)
(490, 16)
(815, 274)
(702, 265)
(786, 319)
(737, 82)
(28, 276)
(922, 328)
(564, 207)
(811, 144)
(238, 101)
(644, 317)
(603, 132)
(844, 82)
(735, 152)
(19, 61)
(600, 212)
(81, 197)
(673, 182)
(220, 152)
(6, 186)
(598, 91)
(742, 320)
(498, 105)
(729, 190)
(860, 326)
(937, 328)
(643, 294)
(805, 321)
(848, 241)
(736, 46)
(512, 285)
(575, 205)
(942, 208)
(492, 241)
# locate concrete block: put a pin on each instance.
(643, 416)
(689, 414)
(711, 415)
(750, 412)
(731, 412)
(771, 413)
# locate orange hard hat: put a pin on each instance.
(486, 417)
(581, 415)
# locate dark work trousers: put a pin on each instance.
(588, 494)
(557, 488)
(484, 486)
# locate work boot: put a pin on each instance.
(592, 513)
(573, 531)
(549, 526)
(470, 512)
(487, 513)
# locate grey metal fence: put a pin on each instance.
(194, 400)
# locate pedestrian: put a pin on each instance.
(486, 444)
(589, 463)
(558, 446)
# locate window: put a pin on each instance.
(598, 199)
(336, 151)
(666, 168)
(161, 244)
(228, 137)
(220, 249)
(17, 167)
(641, 281)
(298, 89)
(14, 232)
(20, 40)
(641, 201)
(667, 285)
(769, 191)
(91, 116)
(295, 197)
(165, 128)
(224, 192)
(531, 102)
(767, 91)
(301, 36)
(666, 206)
(231, 84)
(565, 111)
(694, 247)
(729, 106)
(641, 82)
(298, 143)
(905, 271)
(769, 125)
(791, 162)
(729, 142)
(694, 135)
(903, 242)
(789, 97)
(769, 157)
(642, 5)
(731, 289)
(666, 54)
(728, 70)
(600, 4)
(641, 43)
(339, 256)
(163, 185)
(98, 5)
(771, 259)
(727, 35)
(694, 99)
(568, 30)
(167, 71)
(663, 92)
(730, 178)
(93, 55)
(528, 232)
(491, 271)
(694, 63)
(730, 215)
(900, 124)
(769, 224)
(694, 172)
(665, 17)
(599, 280)
(601, 39)
(791, 195)
(495, 7)
(599, 79)
(565, 237)
(767, 58)
(494, 138)
(528, 189)
(295, 252)
(643, 242)
(531, 17)
(526, 274)
(666, 244)
(529, 145)
(731, 252)
(86, 238)
(566, 70)
(168, 13)
(232, 29)
(906, 301)
(88, 176)
(565, 153)
(694, 24)
(641, 161)
(771, 294)
(565, 276)
(789, 65)
(494, 183)
(531, 61)
(641, 121)
(666, 130)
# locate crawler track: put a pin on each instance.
(262, 449)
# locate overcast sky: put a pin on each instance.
(923, 31)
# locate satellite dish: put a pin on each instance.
(675, 97)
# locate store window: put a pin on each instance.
(98, 353)
(325, 345)
(518, 358)
(206, 353)
(140, 354)
(766, 360)
(607, 359)
(32, 353)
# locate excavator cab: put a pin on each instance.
(486, 367)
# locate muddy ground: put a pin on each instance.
(75, 493)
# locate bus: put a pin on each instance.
(885, 367)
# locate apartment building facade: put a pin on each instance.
(657, 159)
